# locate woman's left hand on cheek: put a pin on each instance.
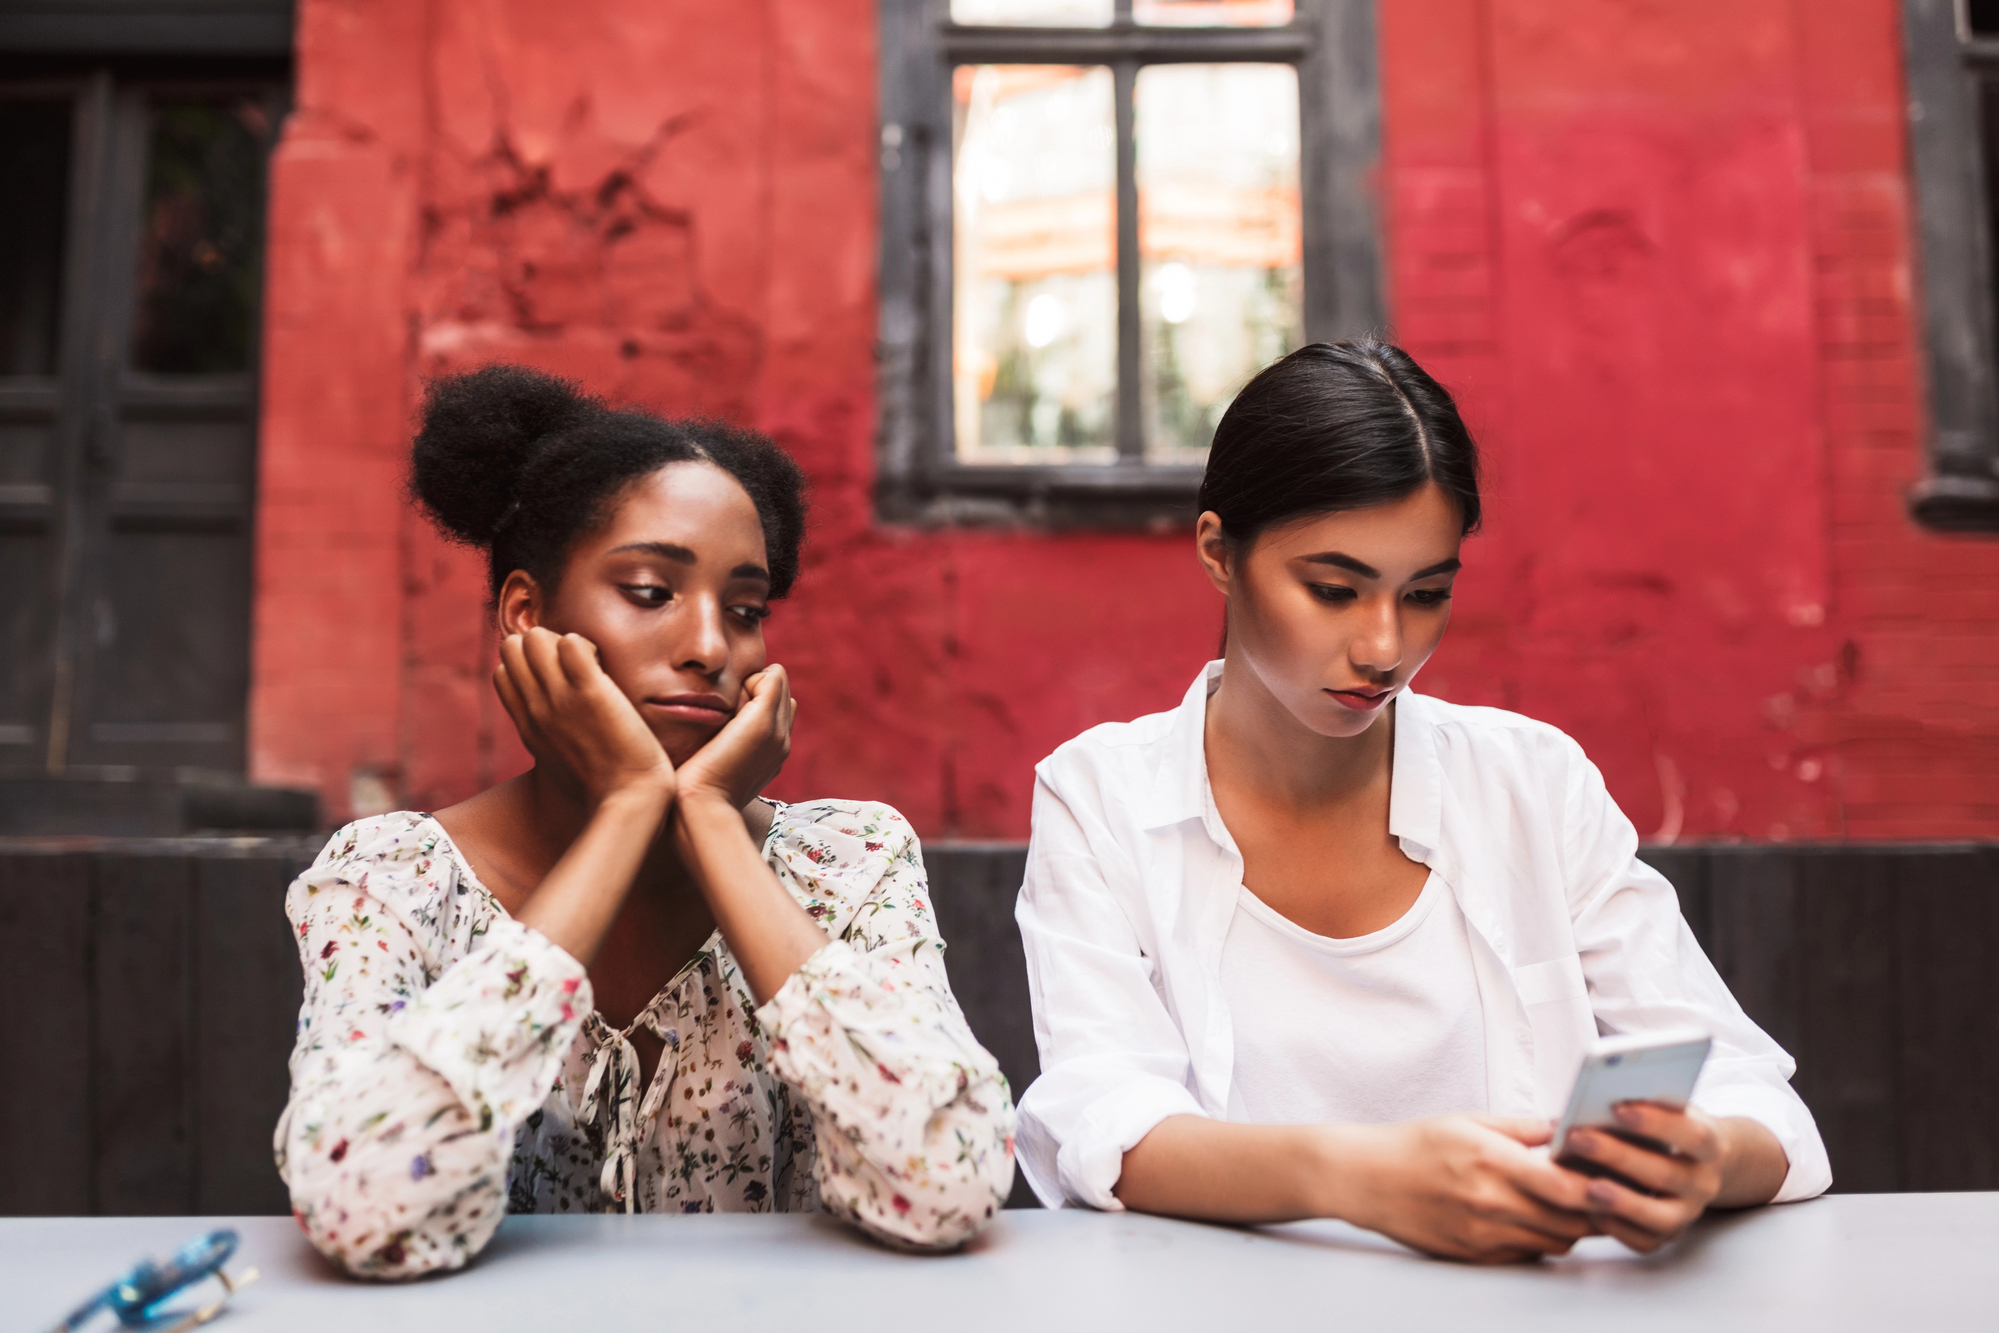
(1684, 1179)
(743, 757)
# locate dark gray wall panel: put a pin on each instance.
(45, 944)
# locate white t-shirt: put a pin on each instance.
(1369, 1030)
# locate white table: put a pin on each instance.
(1889, 1261)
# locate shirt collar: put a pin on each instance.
(1180, 782)
(1415, 803)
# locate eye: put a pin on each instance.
(1430, 596)
(752, 615)
(1332, 593)
(648, 594)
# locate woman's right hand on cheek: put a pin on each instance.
(1467, 1187)
(571, 714)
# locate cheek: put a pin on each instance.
(1289, 633)
(1424, 636)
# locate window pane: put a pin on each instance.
(1048, 13)
(34, 161)
(1213, 13)
(204, 223)
(1220, 286)
(1034, 377)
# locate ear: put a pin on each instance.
(1212, 548)
(520, 603)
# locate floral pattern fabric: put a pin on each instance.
(450, 1067)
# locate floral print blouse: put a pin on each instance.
(450, 1066)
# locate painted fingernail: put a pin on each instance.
(1627, 1113)
(1600, 1193)
(1581, 1140)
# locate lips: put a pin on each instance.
(1362, 701)
(705, 709)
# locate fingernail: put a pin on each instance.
(1600, 1193)
(1627, 1113)
(1581, 1140)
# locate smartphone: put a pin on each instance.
(1645, 1067)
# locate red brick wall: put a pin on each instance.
(1662, 250)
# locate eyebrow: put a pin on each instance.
(1367, 571)
(680, 555)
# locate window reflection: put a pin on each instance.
(34, 161)
(1220, 287)
(199, 255)
(1039, 13)
(1213, 13)
(1035, 337)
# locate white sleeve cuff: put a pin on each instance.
(1780, 1111)
(1091, 1156)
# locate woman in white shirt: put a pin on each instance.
(1312, 944)
(621, 982)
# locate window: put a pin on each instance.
(1099, 218)
(1952, 49)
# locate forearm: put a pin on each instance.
(1190, 1166)
(577, 901)
(1753, 1164)
(769, 933)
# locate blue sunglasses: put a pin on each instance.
(136, 1298)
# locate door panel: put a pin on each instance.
(126, 479)
(35, 157)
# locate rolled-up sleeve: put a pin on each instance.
(1113, 1062)
(1646, 972)
(913, 1120)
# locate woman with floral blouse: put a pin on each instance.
(621, 981)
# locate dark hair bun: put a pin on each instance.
(479, 433)
(522, 464)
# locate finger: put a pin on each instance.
(540, 647)
(1535, 1214)
(1555, 1186)
(1653, 1170)
(1504, 1243)
(578, 658)
(510, 699)
(1638, 1238)
(1529, 1130)
(1688, 1133)
(1663, 1217)
(513, 658)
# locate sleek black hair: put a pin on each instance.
(1336, 426)
(521, 464)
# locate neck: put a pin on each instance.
(1255, 744)
(559, 811)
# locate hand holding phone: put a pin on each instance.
(1659, 1068)
(1658, 1163)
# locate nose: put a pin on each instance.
(703, 645)
(1376, 648)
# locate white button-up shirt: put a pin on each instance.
(1132, 881)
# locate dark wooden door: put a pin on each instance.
(128, 353)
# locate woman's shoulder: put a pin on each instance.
(836, 856)
(817, 825)
(1115, 756)
(1495, 750)
(403, 859)
(1485, 727)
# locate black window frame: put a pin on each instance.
(1950, 158)
(920, 478)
